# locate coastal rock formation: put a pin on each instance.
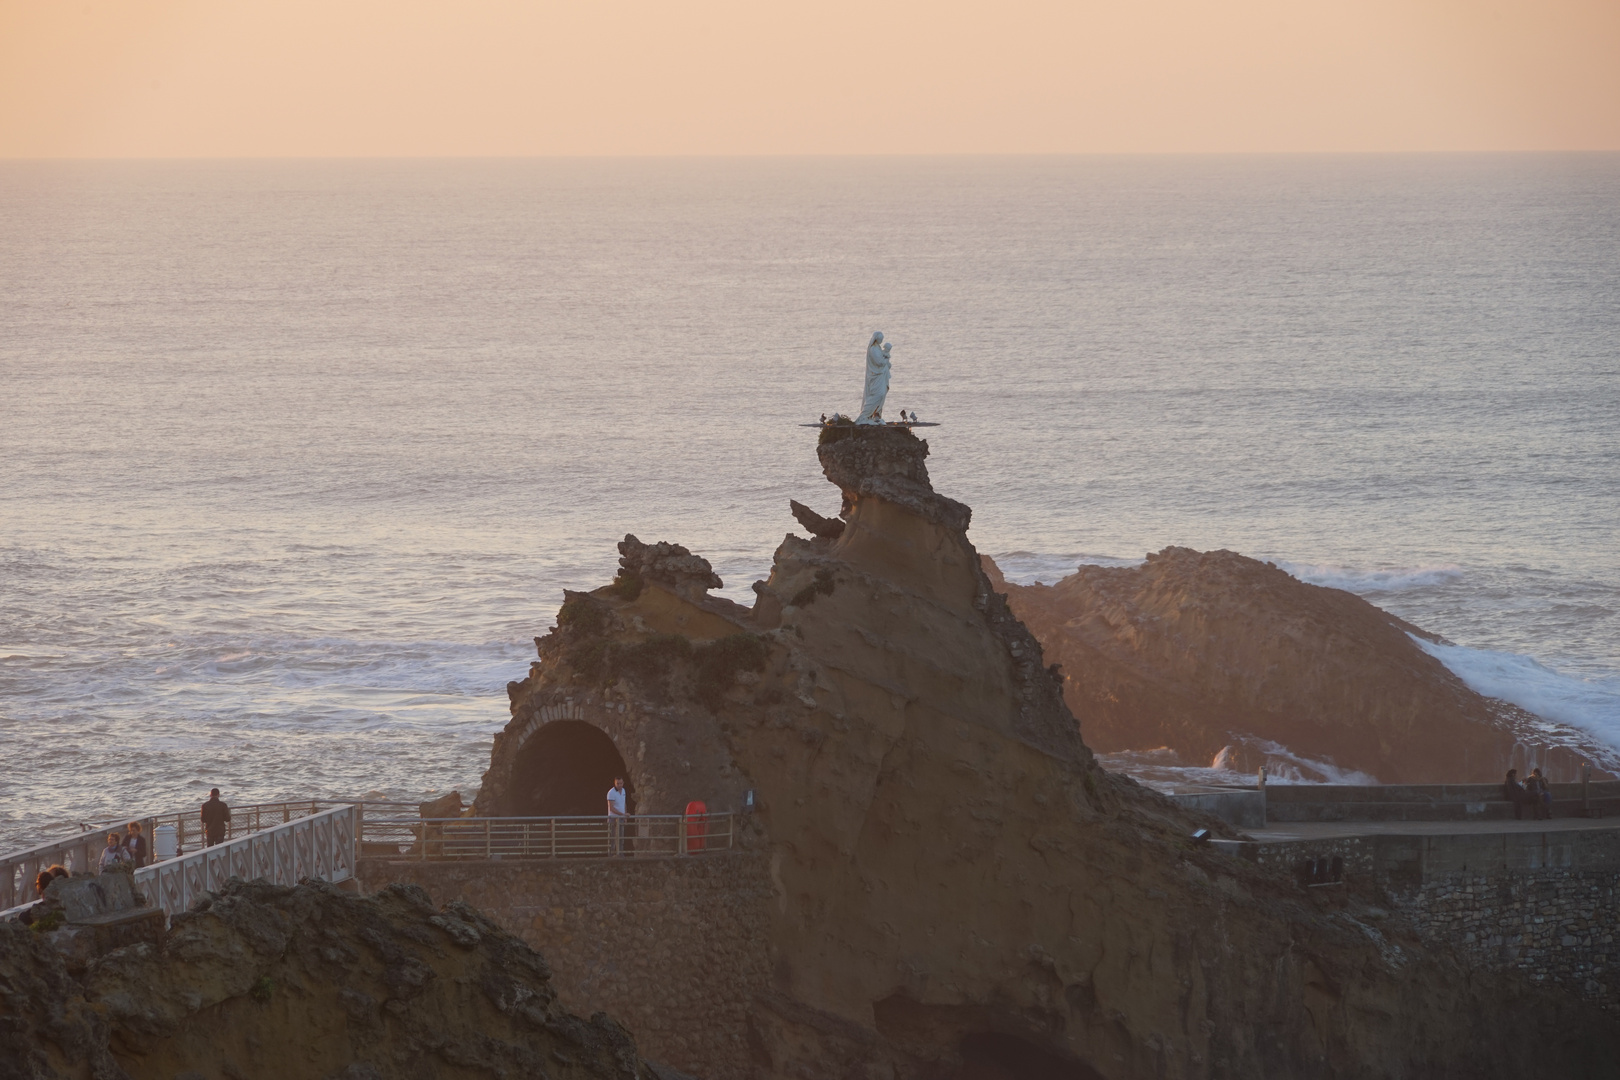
(267, 983)
(960, 890)
(47, 1028)
(668, 564)
(1205, 652)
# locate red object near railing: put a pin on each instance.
(697, 825)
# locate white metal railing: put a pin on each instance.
(319, 845)
(81, 853)
(399, 837)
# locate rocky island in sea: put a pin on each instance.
(1215, 659)
(931, 875)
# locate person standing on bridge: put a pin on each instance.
(216, 818)
(135, 844)
(113, 856)
(616, 816)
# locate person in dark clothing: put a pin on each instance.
(1539, 793)
(1513, 792)
(135, 844)
(216, 818)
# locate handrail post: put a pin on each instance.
(552, 823)
(680, 835)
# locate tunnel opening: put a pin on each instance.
(994, 1056)
(565, 770)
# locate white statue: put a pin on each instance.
(877, 381)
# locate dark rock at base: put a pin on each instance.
(261, 982)
(47, 1028)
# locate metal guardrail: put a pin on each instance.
(81, 853)
(387, 829)
(480, 838)
(319, 845)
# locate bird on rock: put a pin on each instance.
(823, 418)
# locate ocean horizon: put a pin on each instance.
(300, 455)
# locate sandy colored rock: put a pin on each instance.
(1200, 651)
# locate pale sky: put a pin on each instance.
(323, 78)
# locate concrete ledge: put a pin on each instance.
(1245, 809)
(1427, 802)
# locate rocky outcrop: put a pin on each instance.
(91, 915)
(1205, 652)
(309, 982)
(47, 1028)
(887, 463)
(670, 565)
(960, 889)
(814, 523)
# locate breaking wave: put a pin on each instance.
(1351, 579)
(1593, 705)
(1164, 770)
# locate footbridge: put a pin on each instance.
(286, 842)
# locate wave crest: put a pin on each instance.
(1352, 579)
(1593, 705)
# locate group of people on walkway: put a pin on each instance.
(1535, 794)
(131, 851)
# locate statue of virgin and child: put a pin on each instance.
(877, 381)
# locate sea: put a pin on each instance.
(297, 457)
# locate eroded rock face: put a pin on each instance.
(310, 982)
(887, 463)
(961, 890)
(1200, 651)
(668, 564)
(47, 1028)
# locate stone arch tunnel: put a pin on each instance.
(563, 770)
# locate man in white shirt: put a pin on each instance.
(616, 816)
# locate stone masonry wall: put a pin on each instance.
(1542, 901)
(673, 947)
(1556, 925)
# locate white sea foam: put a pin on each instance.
(1592, 705)
(1353, 579)
(1284, 766)
(1164, 770)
